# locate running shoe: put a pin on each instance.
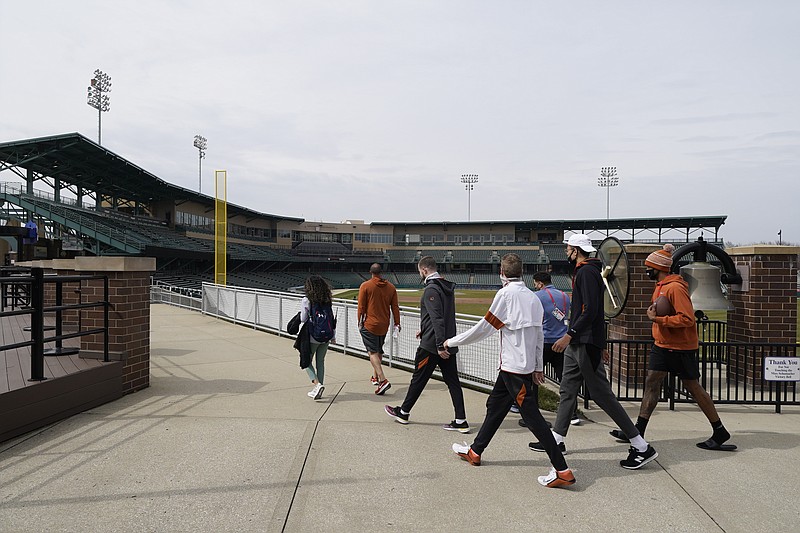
(396, 413)
(637, 459)
(539, 447)
(383, 387)
(554, 479)
(465, 452)
(462, 427)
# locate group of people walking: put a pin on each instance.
(534, 328)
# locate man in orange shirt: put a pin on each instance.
(377, 298)
(675, 350)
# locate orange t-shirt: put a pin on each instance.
(376, 299)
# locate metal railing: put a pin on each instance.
(45, 205)
(177, 296)
(730, 372)
(14, 294)
(271, 311)
(35, 282)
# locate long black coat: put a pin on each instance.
(303, 345)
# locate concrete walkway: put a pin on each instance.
(225, 439)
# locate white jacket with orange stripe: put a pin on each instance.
(518, 314)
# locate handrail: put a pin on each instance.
(37, 280)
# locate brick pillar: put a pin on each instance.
(632, 323)
(65, 267)
(129, 315)
(765, 304)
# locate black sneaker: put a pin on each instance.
(463, 427)
(619, 435)
(539, 447)
(637, 459)
(395, 413)
(522, 423)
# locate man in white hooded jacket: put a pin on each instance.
(517, 314)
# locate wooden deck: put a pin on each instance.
(73, 383)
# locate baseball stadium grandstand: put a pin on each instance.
(86, 200)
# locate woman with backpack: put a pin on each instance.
(316, 309)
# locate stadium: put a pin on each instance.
(88, 200)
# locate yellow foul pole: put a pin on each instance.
(221, 227)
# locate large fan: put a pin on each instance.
(616, 276)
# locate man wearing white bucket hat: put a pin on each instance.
(584, 349)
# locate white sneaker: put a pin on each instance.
(575, 421)
(319, 392)
(557, 479)
(460, 448)
(313, 392)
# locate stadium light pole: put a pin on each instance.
(201, 143)
(608, 178)
(469, 181)
(97, 98)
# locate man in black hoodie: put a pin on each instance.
(437, 324)
(584, 352)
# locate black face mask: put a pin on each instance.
(651, 274)
(573, 257)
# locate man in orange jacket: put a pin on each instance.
(675, 349)
(377, 300)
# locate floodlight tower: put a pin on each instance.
(201, 143)
(608, 178)
(469, 181)
(97, 98)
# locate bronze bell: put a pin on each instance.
(705, 287)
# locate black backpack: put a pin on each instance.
(322, 322)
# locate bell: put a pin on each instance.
(705, 288)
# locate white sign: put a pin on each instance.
(782, 368)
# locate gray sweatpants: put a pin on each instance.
(577, 368)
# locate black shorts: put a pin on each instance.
(683, 363)
(373, 343)
(555, 359)
(552, 357)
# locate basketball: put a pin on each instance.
(663, 307)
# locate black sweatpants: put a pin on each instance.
(520, 388)
(424, 365)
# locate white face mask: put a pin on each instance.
(504, 279)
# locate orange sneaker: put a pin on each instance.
(564, 478)
(383, 386)
(466, 453)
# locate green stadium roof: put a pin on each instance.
(73, 159)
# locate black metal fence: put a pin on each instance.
(14, 294)
(731, 373)
(25, 293)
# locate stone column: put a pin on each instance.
(765, 305)
(129, 315)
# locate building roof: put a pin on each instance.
(714, 221)
(73, 159)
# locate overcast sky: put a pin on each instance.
(373, 109)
